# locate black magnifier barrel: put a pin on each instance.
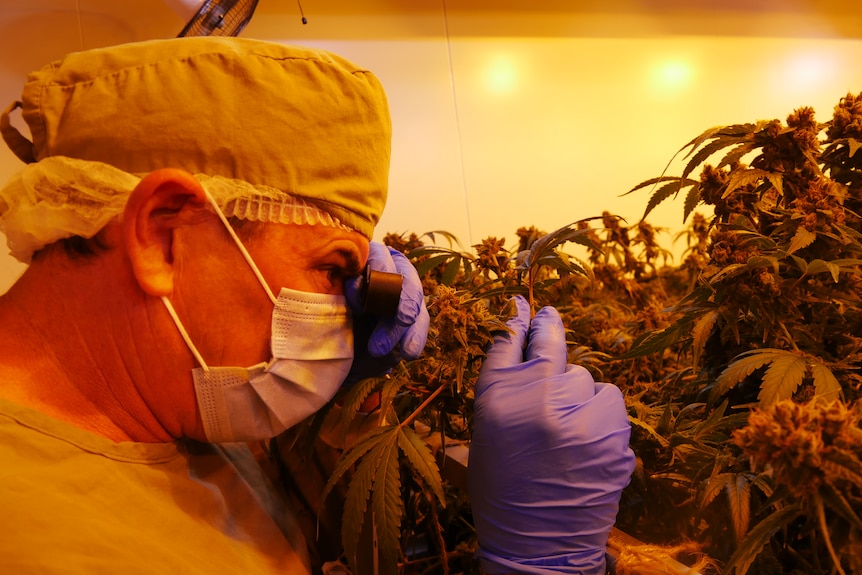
(381, 292)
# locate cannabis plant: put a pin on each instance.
(739, 365)
(386, 485)
(774, 323)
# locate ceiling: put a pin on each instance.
(376, 19)
(778, 18)
(33, 32)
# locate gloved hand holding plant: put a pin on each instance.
(550, 454)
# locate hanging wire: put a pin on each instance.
(457, 123)
(80, 25)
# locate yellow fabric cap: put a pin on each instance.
(304, 121)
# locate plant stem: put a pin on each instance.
(821, 516)
(438, 533)
(424, 404)
(788, 336)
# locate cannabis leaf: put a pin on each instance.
(783, 376)
(785, 373)
(386, 503)
(701, 331)
(848, 470)
(740, 504)
(428, 258)
(801, 239)
(355, 397)
(825, 383)
(758, 537)
(543, 252)
(672, 186)
(377, 477)
(637, 422)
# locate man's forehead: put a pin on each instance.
(315, 240)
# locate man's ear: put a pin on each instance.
(160, 203)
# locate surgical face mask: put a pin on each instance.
(312, 352)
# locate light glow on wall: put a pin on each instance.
(671, 75)
(501, 75)
(808, 69)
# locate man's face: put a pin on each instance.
(232, 314)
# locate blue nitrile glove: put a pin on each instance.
(380, 342)
(549, 457)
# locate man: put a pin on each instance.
(196, 213)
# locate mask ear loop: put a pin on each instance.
(184, 333)
(173, 313)
(242, 249)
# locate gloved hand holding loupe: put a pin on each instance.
(390, 318)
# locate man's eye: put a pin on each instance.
(335, 274)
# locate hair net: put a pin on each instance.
(61, 197)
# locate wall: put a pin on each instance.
(516, 117)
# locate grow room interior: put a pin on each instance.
(511, 113)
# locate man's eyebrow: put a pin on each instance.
(351, 261)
